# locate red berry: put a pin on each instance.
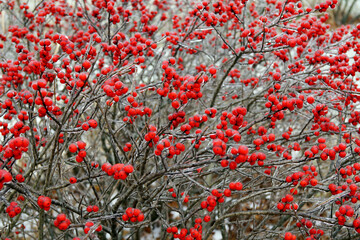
(72, 148)
(86, 64)
(310, 99)
(72, 180)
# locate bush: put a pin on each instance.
(178, 119)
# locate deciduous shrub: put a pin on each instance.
(178, 119)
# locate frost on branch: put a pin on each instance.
(178, 119)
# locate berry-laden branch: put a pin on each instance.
(178, 119)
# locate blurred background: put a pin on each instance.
(346, 12)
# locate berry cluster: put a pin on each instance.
(355, 117)
(197, 140)
(94, 164)
(20, 127)
(356, 225)
(241, 155)
(88, 225)
(16, 147)
(343, 212)
(304, 178)
(349, 171)
(79, 148)
(196, 120)
(219, 147)
(186, 198)
(211, 112)
(44, 202)
(172, 150)
(151, 136)
(135, 109)
(212, 200)
(62, 222)
(46, 104)
(127, 147)
(91, 123)
(165, 143)
(189, 86)
(20, 178)
(119, 170)
(233, 186)
(289, 236)
(61, 138)
(195, 233)
(314, 233)
(13, 209)
(176, 118)
(236, 119)
(173, 193)
(133, 214)
(8, 105)
(5, 176)
(285, 203)
(20, 198)
(114, 88)
(305, 223)
(92, 208)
